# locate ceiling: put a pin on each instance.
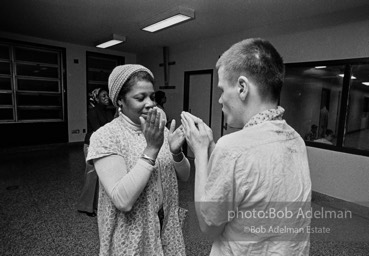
(87, 22)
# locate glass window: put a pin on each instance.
(311, 97)
(4, 52)
(6, 99)
(25, 114)
(37, 70)
(38, 100)
(31, 83)
(37, 85)
(6, 114)
(5, 83)
(36, 55)
(357, 125)
(4, 68)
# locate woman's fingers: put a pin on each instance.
(157, 119)
(172, 126)
(143, 123)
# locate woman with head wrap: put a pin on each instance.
(97, 116)
(138, 162)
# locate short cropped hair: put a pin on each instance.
(259, 60)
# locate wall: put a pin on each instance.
(75, 79)
(336, 174)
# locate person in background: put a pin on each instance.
(261, 168)
(161, 99)
(328, 137)
(97, 116)
(313, 134)
(138, 161)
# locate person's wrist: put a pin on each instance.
(148, 159)
(151, 152)
(177, 152)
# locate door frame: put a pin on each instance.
(186, 93)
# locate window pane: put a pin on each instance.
(37, 71)
(37, 114)
(6, 114)
(5, 68)
(311, 97)
(38, 100)
(357, 126)
(34, 55)
(4, 52)
(6, 99)
(99, 68)
(38, 85)
(98, 75)
(102, 63)
(5, 83)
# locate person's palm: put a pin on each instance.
(175, 138)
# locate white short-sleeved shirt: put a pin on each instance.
(258, 170)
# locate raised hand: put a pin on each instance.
(197, 135)
(176, 138)
(153, 130)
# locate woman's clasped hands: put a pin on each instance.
(153, 129)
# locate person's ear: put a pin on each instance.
(119, 102)
(243, 87)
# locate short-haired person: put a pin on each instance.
(138, 162)
(160, 100)
(264, 165)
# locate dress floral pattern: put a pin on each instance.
(138, 231)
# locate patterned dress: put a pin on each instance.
(138, 231)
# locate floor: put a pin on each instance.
(38, 192)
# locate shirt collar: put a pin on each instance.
(129, 123)
(267, 115)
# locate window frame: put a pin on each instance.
(343, 106)
(14, 77)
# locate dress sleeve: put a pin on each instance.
(220, 189)
(103, 143)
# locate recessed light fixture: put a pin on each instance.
(319, 67)
(366, 83)
(167, 19)
(116, 39)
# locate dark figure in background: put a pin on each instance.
(97, 116)
(313, 134)
(328, 137)
(160, 100)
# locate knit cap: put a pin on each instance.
(119, 76)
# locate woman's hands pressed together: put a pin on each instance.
(153, 130)
(175, 138)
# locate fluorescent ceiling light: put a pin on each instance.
(116, 39)
(320, 67)
(168, 19)
(366, 83)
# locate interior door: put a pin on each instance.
(198, 97)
